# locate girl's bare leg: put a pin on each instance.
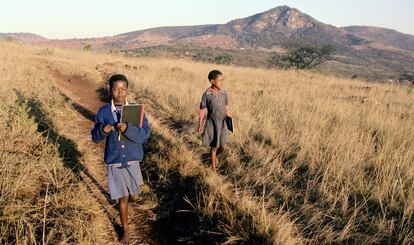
(123, 214)
(221, 150)
(213, 157)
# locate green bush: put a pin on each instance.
(224, 59)
(305, 57)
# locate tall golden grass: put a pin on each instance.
(315, 158)
(335, 155)
(42, 200)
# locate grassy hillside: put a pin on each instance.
(315, 159)
(369, 53)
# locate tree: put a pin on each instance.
(9, 39)
(224, 59)
(305, 57)
(405, 78)
(87, 47)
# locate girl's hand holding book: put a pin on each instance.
(108, 128)
(200, 128)
(121, 127)
(228, 112)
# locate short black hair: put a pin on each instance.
(214, 74)
(116, 77)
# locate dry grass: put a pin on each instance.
(335, 155)
(42, 199)
(315, 159)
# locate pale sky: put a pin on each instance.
(94, 18)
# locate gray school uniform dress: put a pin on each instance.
(215, 132)
(124, 181)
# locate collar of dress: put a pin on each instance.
(214, 91)
(113, 109)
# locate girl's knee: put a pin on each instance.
(123, 199)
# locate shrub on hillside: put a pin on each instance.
(305, 57)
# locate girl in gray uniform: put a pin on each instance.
(214, 102)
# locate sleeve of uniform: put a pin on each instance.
(136, 134)
(226, 105)
(203, 107)
(203, 103)
(97, 131)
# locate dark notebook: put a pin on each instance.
(229, 123)
(134, 115)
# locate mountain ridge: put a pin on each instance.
(274, 30)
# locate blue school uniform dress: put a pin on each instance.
(122, 157)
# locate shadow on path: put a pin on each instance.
(66, 147)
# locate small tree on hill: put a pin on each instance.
(224, 59)
(87, 47)
(305, 57)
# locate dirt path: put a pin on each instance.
(86, 97)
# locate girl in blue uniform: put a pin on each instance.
(122, 157)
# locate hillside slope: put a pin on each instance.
(367, 52)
